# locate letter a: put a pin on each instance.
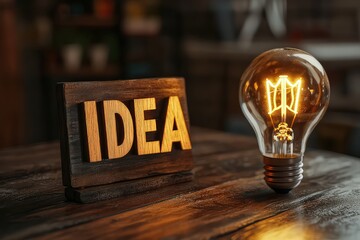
(174, 114)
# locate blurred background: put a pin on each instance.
(209, 42)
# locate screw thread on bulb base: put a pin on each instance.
(283, 174)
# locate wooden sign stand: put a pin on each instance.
(122, 137)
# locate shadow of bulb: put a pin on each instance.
(283, 94)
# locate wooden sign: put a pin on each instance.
(121, 137)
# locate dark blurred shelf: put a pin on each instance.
(350, 119)
(339, 53)
(88, 21)
(345, 104)
(142, 28)
(85, 72)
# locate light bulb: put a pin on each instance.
(283, 94)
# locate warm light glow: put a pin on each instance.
(283, 94)
(285, 87)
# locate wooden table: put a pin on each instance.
(227, 199)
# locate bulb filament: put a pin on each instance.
(277, 98)
(284, 86)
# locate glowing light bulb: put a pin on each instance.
(283, 94)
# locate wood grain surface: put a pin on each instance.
(227, 198)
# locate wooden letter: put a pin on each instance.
(92, 132)
(143, 126)
(174, 114)
(111, 108)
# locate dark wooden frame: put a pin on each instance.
(78, 174)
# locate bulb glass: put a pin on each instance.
(283, 94)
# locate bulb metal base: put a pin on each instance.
(283, 174)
